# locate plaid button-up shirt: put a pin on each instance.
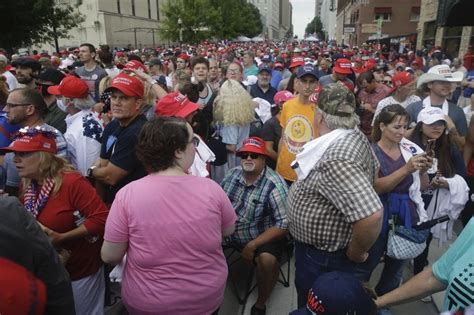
(337, 192)
(259, 206)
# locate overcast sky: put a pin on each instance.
(303, 13)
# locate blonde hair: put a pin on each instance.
(233, 105)
(51, 166)
(104, 84)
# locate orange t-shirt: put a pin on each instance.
(297, 121)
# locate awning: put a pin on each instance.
(455, 13)
(381, 10)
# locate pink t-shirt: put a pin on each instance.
(173, 226)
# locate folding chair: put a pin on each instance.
(232, 251)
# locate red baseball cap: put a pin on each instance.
(33, 140)
(183, 56)
(175, 104)
(71, 87)
(22, 292)
(282, 96)
(253, 145)
(278, 65)
(134, 65)
(128, 85)
(343, 66)
(296, 62)
(400, 79)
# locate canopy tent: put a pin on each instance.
(257, 39)
(311, 39)
(243, 39)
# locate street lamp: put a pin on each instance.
(180, 24)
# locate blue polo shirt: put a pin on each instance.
(256, 91)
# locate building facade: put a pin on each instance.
(454, 40)
(276, 17)
(118, 23)
(359, 21)
(328, 17)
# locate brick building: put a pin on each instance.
(393, 22)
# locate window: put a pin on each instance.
(133, 7)
(158, 10)
(415, 14)
(383, 13)
(149, 9)
(429, 33)
(118, 6)
(383, 16)
(452, 40)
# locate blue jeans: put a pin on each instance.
(392, 271)
(311, 263)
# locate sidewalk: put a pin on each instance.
(283, 300)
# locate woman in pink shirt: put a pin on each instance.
(170, 225)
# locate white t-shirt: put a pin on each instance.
(11, 80)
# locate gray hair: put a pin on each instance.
(340, 122)
(83, 103)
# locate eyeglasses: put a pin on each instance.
(245, 156)
(195, 140)
(12, 105)
(233, 71)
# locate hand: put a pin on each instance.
(449, 122)
(418, 163)
(439, 182)
(55, 237)
(64, 255)
(142, 75)
(248, 252)
(356, 256)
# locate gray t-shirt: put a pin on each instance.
(327, 79)
(455, 112)
(92, 79)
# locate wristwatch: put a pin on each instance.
(90, 171)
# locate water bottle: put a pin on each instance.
(80, 219)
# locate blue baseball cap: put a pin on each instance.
(307, 69)
(265, 67)
(337, 293)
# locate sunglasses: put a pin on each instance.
(387, 81)
(439, 123)
(245, 156)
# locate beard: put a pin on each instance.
(24, 79)
(248, 167)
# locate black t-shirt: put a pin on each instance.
(271, 131)
(118, 146)
(23, 242)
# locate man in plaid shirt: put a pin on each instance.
(259, 196)
(334, 213)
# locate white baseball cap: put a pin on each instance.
(429, 115)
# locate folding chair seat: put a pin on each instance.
(233, 257)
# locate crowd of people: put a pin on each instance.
(156, 161)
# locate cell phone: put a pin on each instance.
(430, 146)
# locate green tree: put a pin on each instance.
(315, 27)
(31, 22)
(224, 19)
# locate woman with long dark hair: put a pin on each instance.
(445, 176)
